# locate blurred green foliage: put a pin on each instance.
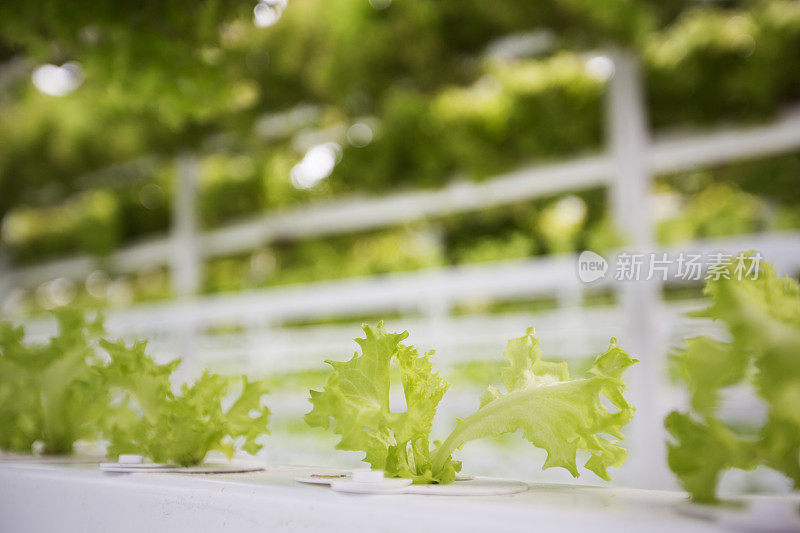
(713, 64)
(761, 315)
(159, 83)
(203, 77)
(89, 221)
(330, 258)
(51, 393)
(716, 211)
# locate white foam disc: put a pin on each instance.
(387, 486)
(322, 478)
(475, 487)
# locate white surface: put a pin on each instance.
(74, 498)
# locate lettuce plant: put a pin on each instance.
(80, 386)
(762, 318)
(178, 427)
(51, 393)
(555, 413)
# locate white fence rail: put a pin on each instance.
(259, 315)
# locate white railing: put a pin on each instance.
(409, 292)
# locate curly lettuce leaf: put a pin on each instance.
(555, 413)
(182, 427)
(356, 399)
(762, 317)
(132, 370)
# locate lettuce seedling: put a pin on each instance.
(178, 427)
(51, 393)
(81, 386)
(762, 318)
(555, 413)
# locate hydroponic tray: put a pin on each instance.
(66, 498)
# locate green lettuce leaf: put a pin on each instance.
(555, 413)
(707, 448)
(708, 365)
(762, 317)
